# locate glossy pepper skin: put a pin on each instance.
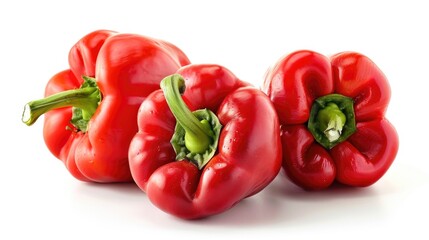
(247, 159)
(126, 68)
(296, 82)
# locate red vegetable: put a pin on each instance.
(332, 116)
(93, 105)
(213, 160)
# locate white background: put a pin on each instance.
(40, 200)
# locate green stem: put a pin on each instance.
(198, 134)
(85, 99)
(332, 119)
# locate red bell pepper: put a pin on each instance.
(213, 160)
(93, 105)
(332, 116)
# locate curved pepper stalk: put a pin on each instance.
(196, 134)
(84, 101)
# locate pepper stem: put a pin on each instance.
(86, 99)
(331, 121)
(198, 134)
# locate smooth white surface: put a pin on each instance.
(40, 200)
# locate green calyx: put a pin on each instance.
(332, 119)
(84, 101)
(197, 133)
(198, 150)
